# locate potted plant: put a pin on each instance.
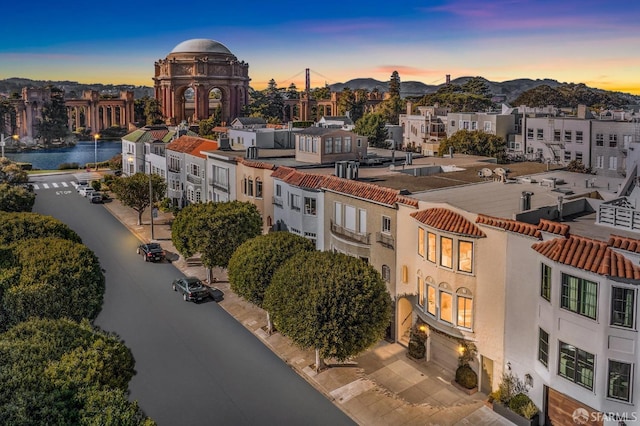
(512, 402)
(466, 378)
(417, 338)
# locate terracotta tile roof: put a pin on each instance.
(158, 134)
(305, 180)
(206, 145)
(257, 164)
(186, 144)
(221, 129)
(510, 225)
(624, 243)
(553, 227)
(282, 172)
(448, 221)
(362, 190)
(408, 201)
(590, 255)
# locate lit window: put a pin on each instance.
(446, 252)
(465, 256)
(465, 308)
(421, 242)
(446, 307)
(431, 300)
(431, 247)
(420, 292)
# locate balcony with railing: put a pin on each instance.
(196, 180)
(385, 239)
(619, 213)
(351, 235)
(173, 168)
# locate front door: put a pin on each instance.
(486, 378)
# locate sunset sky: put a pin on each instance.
(591, 42)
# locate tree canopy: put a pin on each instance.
(49, 278)
(253, 264)
(133, 191)
(334, 303)
(215, 230)
(10, 172)
(53, 122)
(65, 372)
(24, 226)
(473, 142)
(570, 95)
(16, 198)
(372, 125)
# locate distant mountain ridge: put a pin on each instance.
(511, 89)
(72, 89)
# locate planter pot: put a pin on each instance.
(463, 389)
(515, 418)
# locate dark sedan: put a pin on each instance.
(151, 252)
(191, 288)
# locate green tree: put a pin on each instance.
(53, 124)
(275, 103)
(65, 372)
(331, 302)
(49, 278)
(253, 264)
(394, 84)
(152, 112)
(477, 86)
(133, 191)
(215, 230)
(321, 93)
(346, 101)
(372, 125)
(473, 142)
(292, 92)
(205, 127)
(16, 198)
(24, 226)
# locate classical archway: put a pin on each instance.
(198, 76)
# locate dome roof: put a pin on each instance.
(201, 45)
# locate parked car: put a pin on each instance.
(151, 252)
(81, 187)
(191, 288)
(86, 191)
(96, 198)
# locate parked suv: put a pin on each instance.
(191, 288)
(151, 252)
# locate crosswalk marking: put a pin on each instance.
(65, 184)
(55, 185)
(45, 185)
(52, 185)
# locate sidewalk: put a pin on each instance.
(380, 387)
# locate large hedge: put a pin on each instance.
(23, 226)
(15, 198)
(64, 372)
(49, 278)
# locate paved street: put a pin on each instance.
(380, 387)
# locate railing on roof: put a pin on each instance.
(352, 235)
(619, 216)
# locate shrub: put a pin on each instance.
(68, 166)
(510, 385)
(466, 377)
(495, 395)
(529, 410)
(518, 402)
(417, 338)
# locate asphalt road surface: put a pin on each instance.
(195, 364)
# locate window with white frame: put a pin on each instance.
(556, 135)
(294, 201)
(599, 161)
(347, 144)
(250, 187)
(328, 146)
(613, 163)
(487, 126)
(362, 221)
(278, 190)
(314, 144)
(474, 125)
(386, 273)
(579, 156)
(540, 134)
(599, 139)
(579, 136)
(529, 133)
(431, 297)
(258, 188)
(545, 282)
(337, 213)
(420, 292)
(337, 144)
(198, 195)
(567, 135)
(446, 305)
(465, 256)
(386, 224)
(613, 140)
(310, 206)
(543, 347)
(350, 218)
(619, 381)
(359, 142)
(421, 241)
(567, 156)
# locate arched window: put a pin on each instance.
(446, 303)
(250, 187)
(431, 296)
(258, 188)
(464, 304)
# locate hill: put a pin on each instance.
(72, 89)
(512, 90)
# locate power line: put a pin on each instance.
(292, 77)
(326, 78)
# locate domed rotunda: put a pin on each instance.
(196, 78)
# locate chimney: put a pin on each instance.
(448, 78)
(525, 201)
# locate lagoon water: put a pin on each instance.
(83, 152)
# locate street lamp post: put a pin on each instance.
(96, 136)
(150, 194)
(3, 141)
